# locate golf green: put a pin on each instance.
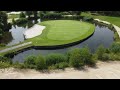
(59, 32)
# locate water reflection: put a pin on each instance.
(15, 34)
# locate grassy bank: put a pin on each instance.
(111, 19)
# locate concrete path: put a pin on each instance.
(104, 70)
(116, 27)
(15, 47)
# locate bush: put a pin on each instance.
(105, 57)
(107, 50)
(5, 59)
(22, 15)
(113, 56)
(87, 18)
(21, 21)
(75, 59)
(115, 48)
(30, 60)
(40, 63)
(52, 16)
(2, 45)
(53, 59)
(100, 51)
(5, 65)
(63, 65)
(80, 57)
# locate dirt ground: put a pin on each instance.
(103, 70)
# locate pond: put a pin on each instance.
(15, 34)
(102, 36)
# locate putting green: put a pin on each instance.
(59, 32)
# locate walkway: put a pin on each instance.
(104, 70)
(116, 27)
(15, 47)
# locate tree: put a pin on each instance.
(35, 14)
(75, 12)
(29, 13)
(22, 15)
(3, 20)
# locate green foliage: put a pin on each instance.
(3, 21)
(22, 15)
(5, 59)
(100, 51)
(63, 65)
(116, 37)
(80, 57)
(53, 59)
(2, 45)
(75, 58)
(21, 21)
(87, 18)
(40, 63)
(4, 65)
(105, 57)
(107, 50)
(113, 56)
(115, 48)
(30, 60)
(52, 16)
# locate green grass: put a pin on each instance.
(13, 16)
(58, 32)
(111, 19)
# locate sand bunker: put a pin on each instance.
(34, 31)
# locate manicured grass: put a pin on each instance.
(13, 16)
(111, 19)
(59, 32)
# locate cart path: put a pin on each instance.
(15, 47)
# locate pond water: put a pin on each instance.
(15, 34)
(102, 36)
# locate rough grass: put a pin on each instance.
(111, 19)
(13, 16)
(59, 32)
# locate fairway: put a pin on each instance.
(59, 32)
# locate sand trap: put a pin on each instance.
(34, 31)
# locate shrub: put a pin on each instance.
(115, 48)
(21, 21)
(52, 16)
(30, 60)
(87, 18)
(22, 15)
(105, 57)
(40, 63)
(53, 59)
(80, 57)
(75, 60)
(100, 51)
(5, 65)
(2, 45)
(63, 65)
(5, 59)
(113, 56)
(107, 50)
